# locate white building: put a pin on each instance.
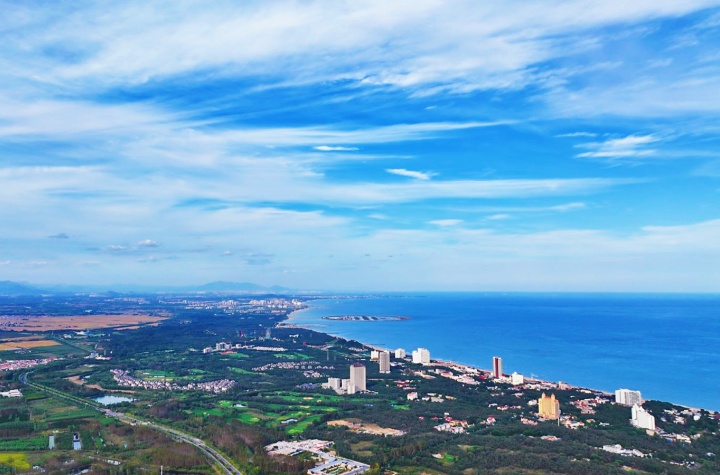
(334, 383)
(626, 397)
(412, 396)
(347, 387)
(400, 353)
(642, 418)
(421, 356)
(357, 376)
(384, 361)
(517, 379)
(374, 355)
(12, 393)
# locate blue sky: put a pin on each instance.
(405, 145)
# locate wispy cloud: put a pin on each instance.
(410, 173)
(626, 147)
(578, 134)
(446, 222)
(59, 236)
(328, 148)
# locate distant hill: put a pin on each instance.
(221, 286)
(19, 288)
(8, 287)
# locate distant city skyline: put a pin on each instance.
(522, 146)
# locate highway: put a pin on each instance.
(217, 459)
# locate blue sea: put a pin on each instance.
(665, 345)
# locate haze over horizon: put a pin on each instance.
(408, 145)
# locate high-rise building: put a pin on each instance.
(497, 367)
(421, 356)
(357, 376)
(626, 397)
(374, 355)
(384, 361)
(400, 353)
(642, 418)
(548, 407)
(517, 379)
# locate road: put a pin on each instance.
(218, 459)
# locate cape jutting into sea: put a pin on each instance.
(665, 345)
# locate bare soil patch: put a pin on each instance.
(75, 322)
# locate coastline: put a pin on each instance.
(287, 323)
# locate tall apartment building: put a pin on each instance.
(497, 367)
(384, 362)
(548, 407)
(642, 418)
(421, 356)
(627, 397)
(400, 353)
(357, 377)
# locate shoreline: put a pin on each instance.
(290, 316)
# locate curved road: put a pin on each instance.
(216, 457)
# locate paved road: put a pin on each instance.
(216, 457)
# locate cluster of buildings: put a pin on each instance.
(357, 382)
(12, 365)
(640, 417)
(223, 346)
(124, 379)
(328, 462)
(301, 366)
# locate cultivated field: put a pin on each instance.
(12, 344)
(75, 322)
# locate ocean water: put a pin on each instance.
(665, 345)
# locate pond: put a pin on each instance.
(108, 400)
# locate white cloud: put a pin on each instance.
(410, 173)
(578, 134)
(446, 222)
(328, 148)
(403, 43)
(626, 147)
(148, 243)
(498, 217)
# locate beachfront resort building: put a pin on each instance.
(384, 362)
(641, 418)
(626, 397)
(497, 367)
(517, 379)
(357, 377)
(400, 353)
(421, 356)
(548, 407)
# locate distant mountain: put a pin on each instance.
(8, 287)
(19, 288)
(221, 286)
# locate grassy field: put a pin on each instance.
(16, 460)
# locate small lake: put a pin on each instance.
(108, 400)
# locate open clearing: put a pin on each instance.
(75, 322)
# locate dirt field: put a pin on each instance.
(24, 343)
(74, 322)
(356, 425)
